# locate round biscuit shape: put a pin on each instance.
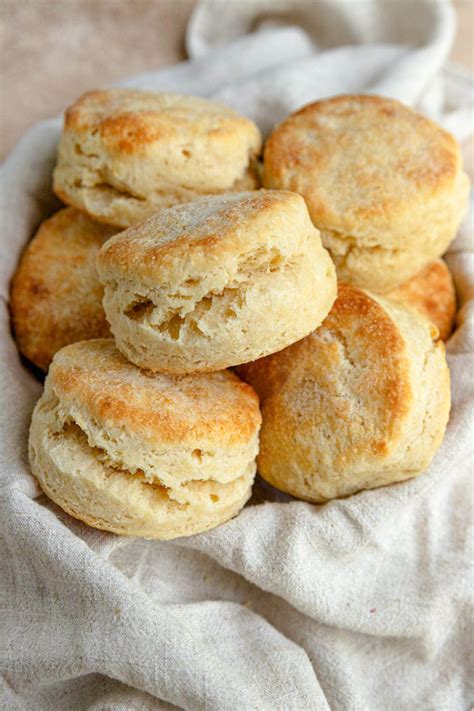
(360, 403)
(215, 283)
(56, 296)
(124, 154)
(383, 184)
(143, 454)
(431, 292)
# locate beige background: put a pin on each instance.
(52, 50)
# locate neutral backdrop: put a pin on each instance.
(53, 50)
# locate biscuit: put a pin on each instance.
(360, 403)
(56, 296)
(124, 154)
(216, 282)
(432, 293)
(139, 454)
(384, 185)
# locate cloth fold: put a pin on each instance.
(363, 603)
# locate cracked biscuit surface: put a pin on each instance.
(124, 154)
(143, 454)
(361, 402)
(56, 296)
(384, 185)
(215, 283)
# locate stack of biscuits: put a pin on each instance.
(204, 311)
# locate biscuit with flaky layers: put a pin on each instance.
(143, 454)
(124, 154)
(217, 282)
(383, 184)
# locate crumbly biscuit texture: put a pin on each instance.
(360, 403)
(432, 293)
(143, 454)
(384, 185)
(56, 296)
(217, 282)
(124, 153)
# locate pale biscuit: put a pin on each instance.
(124, 154)
(432, 293)
(215, 283)
(139, 454)
(56, 296)
(360, 403)
(384, 185)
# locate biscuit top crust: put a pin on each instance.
(129, 121)
(207, 234)
(94, 377)
(349, 380)
(356, 159)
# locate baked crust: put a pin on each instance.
(218, 282)
(432, 293)
(216, 407)
(142, 454)
(56, 296)
(383, 184)
(124, 153)
(361, 402)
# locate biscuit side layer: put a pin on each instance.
(72, 475)
(179, 468)
(124, 190)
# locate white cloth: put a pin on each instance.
(362, 604)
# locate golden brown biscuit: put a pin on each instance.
(432, 293)
(56, 296)
(384, 185)
(139, 454)
(361, 402)
(124, 153)
(217, 282)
